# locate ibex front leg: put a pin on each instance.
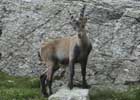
(83, 71)
(71, 67)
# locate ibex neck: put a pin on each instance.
(83, 37)
(82, 33)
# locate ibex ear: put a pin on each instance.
(73, 21)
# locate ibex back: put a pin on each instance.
(67, 51)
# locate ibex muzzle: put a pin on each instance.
(68, 51)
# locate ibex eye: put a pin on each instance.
(83, 26)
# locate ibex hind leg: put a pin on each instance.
(51, 70)
(43, 85)
(49, 79)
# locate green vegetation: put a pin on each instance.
(27, 88)
(106, 94)
(19, 88)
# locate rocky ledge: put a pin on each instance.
(74, 94)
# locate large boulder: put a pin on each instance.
(113, 28)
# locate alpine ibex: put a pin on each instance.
(67, 51)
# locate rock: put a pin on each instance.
(74, 94)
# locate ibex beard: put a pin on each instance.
(68, 51)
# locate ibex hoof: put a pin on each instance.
(70, 86)
(85, 86)
(45, 95)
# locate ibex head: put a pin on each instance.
(79, 24)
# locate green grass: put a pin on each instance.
(27, 88)
(107, 94)
(19, 88)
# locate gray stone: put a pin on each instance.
(74, 94)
